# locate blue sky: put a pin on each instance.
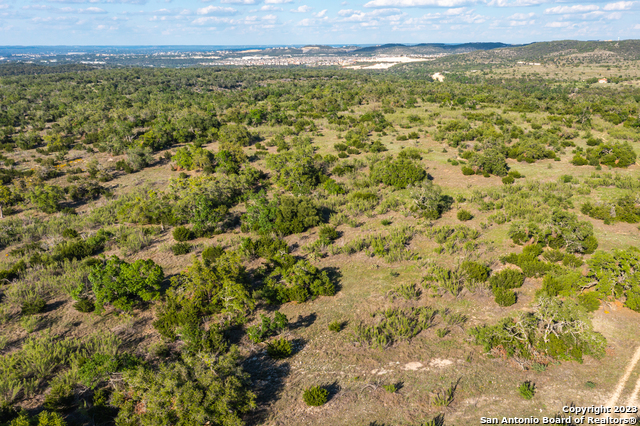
(225, 22)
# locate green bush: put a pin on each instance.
(84, 305)
(398, 173)
(211, 253)
(279, 348)
(100, 367)
(336, 326)
(33, 306)
(527, 390)
(467, 171)
(464, 215)
(507, 279)
(590, 301)
(327, 233)
(508, 180)
(179, 249)
(268, 327)
(297, 281)
(315, 396)
(60, 398)
(70, 233)
(210, 389)
(284, 215)
(475, 272)
(504, 297)
(182, 233)
(121, 284)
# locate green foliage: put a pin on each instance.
(282, 215)
(211, 253)
(475, 272)
(197, 390)
(122, 285)
(217, 288)
(234, 134)
(315, 396)
(84, 305)
(464, 215)
(428, 200)
(336, 326)
(398, 173)
(33, 306)
(99, 367)
(327, 233)
(617, 275)
(179, 249)
(395, 324)
(527, 390)
(279, 348)
(625, 209)
(507, 279)
(296, 170)
(265, 247)
(391, 388)
(589, 301)
(298, 281)
(504, 297)
(182, 233)
(192, 157)
(559, 329)
(268, 327)
(45, 418)
(46, 198)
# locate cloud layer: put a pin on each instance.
(261, 22)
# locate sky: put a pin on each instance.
(288, 22)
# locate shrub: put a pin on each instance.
(508, 180)
(279, 348)
(335, 326)
(527, 390)
(284, 215)
(507, 279)
(60, 398)
(442, 332)
(504, 297)
(391, 388)
(84, 305)
(467, 171)
(590, 301)
(70, 233)
(99, 367)
(182, 233)
(121, 284)
(179, 249)
(211, 253)
(327, 233)
(464, 215)
(315, 396)
(209, 388)
(297, 281)
(476, 272)
(33, 306)
(398, 173)
(268, 327)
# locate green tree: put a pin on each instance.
(6, 199)
(46, 198)
(122, 284)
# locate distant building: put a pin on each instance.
(438, 77)
(602, 80)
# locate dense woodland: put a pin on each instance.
(159, 227)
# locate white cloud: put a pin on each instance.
(418, 3)
(211, 19)
(268, 7)
(95, 10)
(558, 24)
(579, 8)
(515, 3)
(521, 23)
(217, 10)
(456, 11)
(239, 1)
(620, 5)
(278, 1)
(321, 13)
(521, 16)
(302, 9)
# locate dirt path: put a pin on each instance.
(623, 381)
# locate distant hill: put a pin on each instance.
(563, 51)
(428, 48)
